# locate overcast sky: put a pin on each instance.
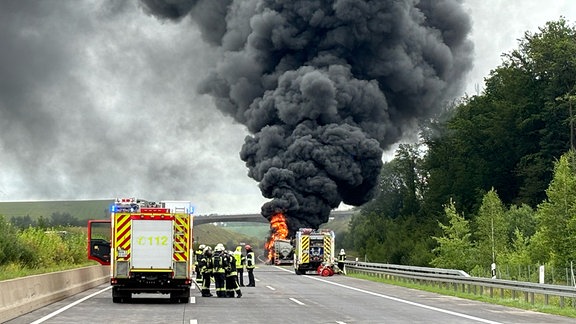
(98, 100)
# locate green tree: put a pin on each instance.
(548, 57)
(43, 222)
(557, 214)
(391, 228)
(455, 249)
(409, 168)
(508, 137)
(388, 200)
(491, 232)
(63, 219)
(22, 221)
(517, 257)
(521, 218)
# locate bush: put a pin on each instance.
(76, 242)
(9, 245)
(50, 247)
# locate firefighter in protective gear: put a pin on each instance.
(232, 277)
(219, 265)
(198, 254)
(240, 260)
(341, 260)
(250, 265)
(205, 267)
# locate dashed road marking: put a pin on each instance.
(270, 287)
(297, 301)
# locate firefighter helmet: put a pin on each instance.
(202, 247)
(219, 247)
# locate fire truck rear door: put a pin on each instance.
(152, 242)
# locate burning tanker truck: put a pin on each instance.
(282, 252)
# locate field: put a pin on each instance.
(79, 209)
(210, 234)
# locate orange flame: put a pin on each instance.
(278, 230)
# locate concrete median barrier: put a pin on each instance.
(23, 295)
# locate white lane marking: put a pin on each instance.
(402, 300)
(192, 300)
(338, 322)
(54, 313)
(270, 287)
(256, 279)
(193, 321)
(297, 301)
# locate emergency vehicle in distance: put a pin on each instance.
(147, 245)
(283, 252)
(313, 249)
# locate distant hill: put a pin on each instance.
(338, 224)
(210, 234)
(79, 209)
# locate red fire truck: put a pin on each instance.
(147, 245)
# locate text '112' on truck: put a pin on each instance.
(147, 245)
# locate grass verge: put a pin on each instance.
(539, 306)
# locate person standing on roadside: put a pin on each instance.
(232, 277)
(342, 260)
(250, 265)
(198, 256)
(205, 267)
(219, 265)
(240, 260)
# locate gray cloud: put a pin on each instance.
(326, 86)
(97, 100)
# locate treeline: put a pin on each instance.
(492, 177)
(55, 220)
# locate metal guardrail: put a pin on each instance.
(461, 281)
(407, 269)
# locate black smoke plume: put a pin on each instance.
(325, 86)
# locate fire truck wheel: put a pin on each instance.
(118, 300)
(119, 296)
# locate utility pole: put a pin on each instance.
(493, 265)
(571, 124)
